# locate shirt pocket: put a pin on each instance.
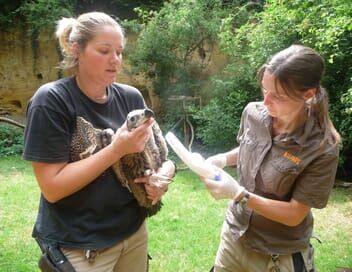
(283, 174)
(285, 166)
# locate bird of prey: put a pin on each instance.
(87, 140)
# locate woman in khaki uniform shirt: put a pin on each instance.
(286, 160)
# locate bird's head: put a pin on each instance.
(137, 117)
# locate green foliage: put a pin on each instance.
(219, 121)
(39, 14)
(346, 127)
(174, 36)
(8, 13)
(44, 13)
(11, 140)
(252, 43)
(248, 33)
(169, 40)
(34, 15)
(148, 4)
(171, 52)
(121, 9)
(326, 26)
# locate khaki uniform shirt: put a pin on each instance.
(286, 166)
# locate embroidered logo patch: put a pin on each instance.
(292, 158)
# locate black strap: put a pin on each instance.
(53, 259)
(46, 265)
(298, 262)
(66, 267)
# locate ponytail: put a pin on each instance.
(63, 31)
(319, 106)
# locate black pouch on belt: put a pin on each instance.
(52, 259)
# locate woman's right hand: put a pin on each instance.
(224, 188)
(127, 142)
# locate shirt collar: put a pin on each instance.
(306, 134)
(301, 135)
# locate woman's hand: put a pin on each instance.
(127, 142)
(225, 187)
(155, 185)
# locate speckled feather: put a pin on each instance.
(87, 140)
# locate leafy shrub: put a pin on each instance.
(346, 132)
(11, 140)
(325, 26)
(218, 122)
(165, 52)
(168, 41)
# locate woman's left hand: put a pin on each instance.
(155, 186)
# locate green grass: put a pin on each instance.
(19, 197)
(183, 237)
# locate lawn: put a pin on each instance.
(183, 237)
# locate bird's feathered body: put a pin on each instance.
(88, 140)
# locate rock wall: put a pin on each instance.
(26, 63)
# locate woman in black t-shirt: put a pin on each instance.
(84, 211)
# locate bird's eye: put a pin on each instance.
(133, 118)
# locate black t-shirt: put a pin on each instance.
(104, 212)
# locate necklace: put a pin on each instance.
(99, 99)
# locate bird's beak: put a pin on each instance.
(148, 113)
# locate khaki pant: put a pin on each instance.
(232, 256)
(129, 255)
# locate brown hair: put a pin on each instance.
(297, 69)
(80, 30)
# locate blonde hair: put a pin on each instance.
(81, 30)
(297, 69)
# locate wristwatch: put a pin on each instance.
(243, 198)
